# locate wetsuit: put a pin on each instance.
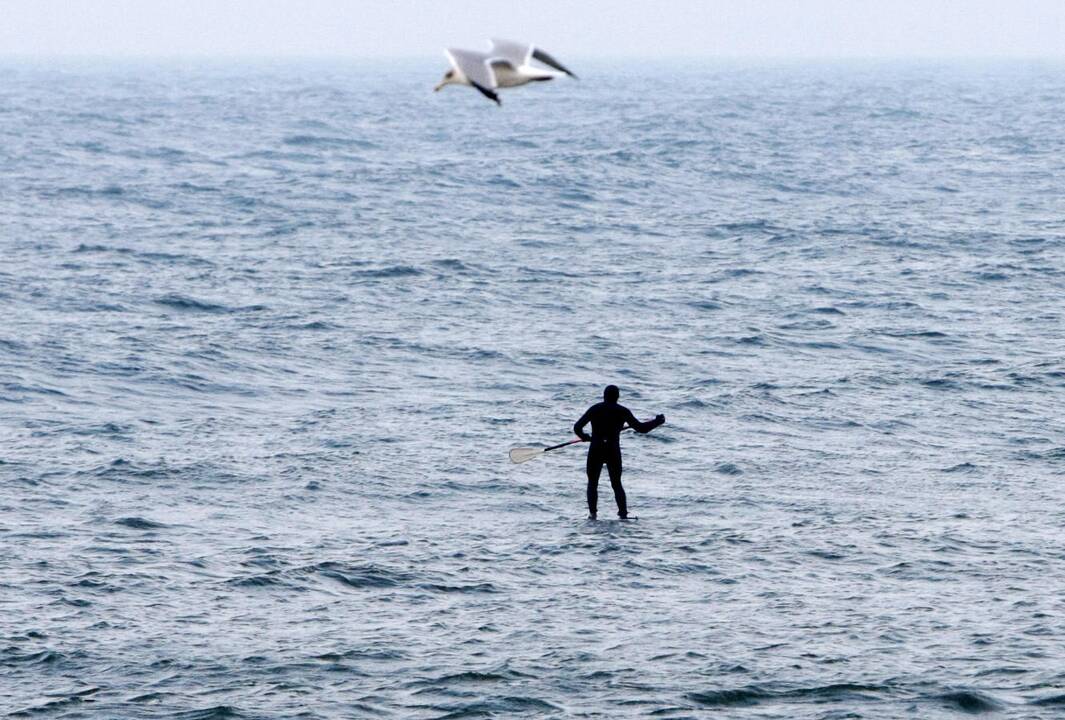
(608, 420)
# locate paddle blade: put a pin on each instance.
(523, 454)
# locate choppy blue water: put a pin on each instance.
(268, 332)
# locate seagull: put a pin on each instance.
(507, 64)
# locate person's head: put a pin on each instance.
(611, 393)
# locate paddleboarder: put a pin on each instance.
(608, 419)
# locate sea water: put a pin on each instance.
(269, 329)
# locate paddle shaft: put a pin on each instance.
(571, 442)
(562, 445)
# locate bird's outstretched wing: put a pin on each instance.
(490, 94)
(546, 59)
(474, 66)
(516, 53)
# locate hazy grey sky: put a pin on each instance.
(574, 28)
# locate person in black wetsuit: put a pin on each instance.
(608, 419)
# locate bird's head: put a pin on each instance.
(450, 78)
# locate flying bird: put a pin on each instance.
(507, 64)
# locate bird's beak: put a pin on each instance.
(438, 86)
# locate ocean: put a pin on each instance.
(270, 328)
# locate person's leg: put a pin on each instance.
(613, 467)
(595, 466)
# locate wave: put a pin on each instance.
(392, 271)
(378, 654)
(365, 576)
(326, 141)
(10, 656)
(218, 712)
(139, 523)
(1051, 700)
(483, 587)
(753, 695)
(501, 707)
(63, 701)
(964, 467)
(185, 303)
(468, 677)
(968, 701)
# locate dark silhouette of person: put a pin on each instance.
(608, 419)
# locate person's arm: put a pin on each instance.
(643, 427)
(578, 427)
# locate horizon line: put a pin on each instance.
(597, 57)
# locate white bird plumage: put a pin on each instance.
(507, 64)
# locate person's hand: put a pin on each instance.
(585, 437)
(660, 418)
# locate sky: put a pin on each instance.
(572, 28)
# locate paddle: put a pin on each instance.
(524, 454)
